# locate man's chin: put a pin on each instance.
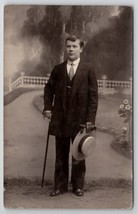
(71, 58)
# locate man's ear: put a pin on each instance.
(81, 49)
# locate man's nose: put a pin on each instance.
(71, 48)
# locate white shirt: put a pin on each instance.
(75, 65)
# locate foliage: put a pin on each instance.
(122, 140)
(125, 111)
(111, 49)
(108, 38)
(122, 147)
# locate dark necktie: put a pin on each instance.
(71, 71)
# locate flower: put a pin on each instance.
(125, 101)
(124, 129)
(127, 107)
(122, 106)
(125, 110)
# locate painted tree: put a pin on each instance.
(111, 49)
(30, 31)
(65, 14)
(50, 29)
(97, 25)
(88, 20)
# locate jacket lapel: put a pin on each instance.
(63, 85)
(78, 78)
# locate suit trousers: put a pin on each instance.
(61, 175)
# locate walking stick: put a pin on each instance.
(45, 158)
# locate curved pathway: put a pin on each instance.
(24, 146)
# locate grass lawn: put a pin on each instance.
(11, 96)
(107, 114)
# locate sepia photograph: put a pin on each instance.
(68, 106)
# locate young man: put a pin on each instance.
(70, 101)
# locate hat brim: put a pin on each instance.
(75, 151)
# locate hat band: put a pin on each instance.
(81, 143)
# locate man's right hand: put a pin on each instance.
(47, 114)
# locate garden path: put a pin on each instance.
(24, 146)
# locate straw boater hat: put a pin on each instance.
(83, 145)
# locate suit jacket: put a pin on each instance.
(83, 101)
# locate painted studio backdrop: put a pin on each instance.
(34, 38)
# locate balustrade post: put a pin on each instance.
(104, 77)
(130, 79)
(10, 84)
(22, 76)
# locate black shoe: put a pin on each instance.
(78, 192)
(56, 192)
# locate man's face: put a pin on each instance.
(73, 49)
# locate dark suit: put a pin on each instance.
(69, 110)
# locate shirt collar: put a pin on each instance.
(76, 62)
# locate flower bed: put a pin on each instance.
(122, 135)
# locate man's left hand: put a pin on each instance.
(90, 127)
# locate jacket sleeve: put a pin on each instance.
(92, 97)
(49, 91)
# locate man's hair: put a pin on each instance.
(73, 38)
